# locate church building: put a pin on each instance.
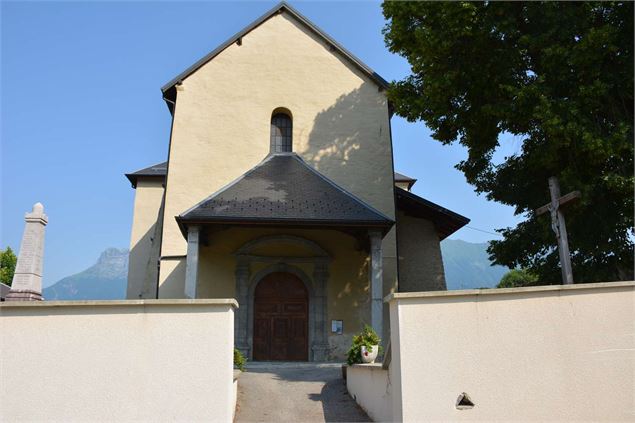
(280, 191)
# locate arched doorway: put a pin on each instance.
(281, 308)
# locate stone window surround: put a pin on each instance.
(316, 286)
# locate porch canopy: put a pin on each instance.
(285, 191)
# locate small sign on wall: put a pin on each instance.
(337, 326)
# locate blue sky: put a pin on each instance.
(81, 105)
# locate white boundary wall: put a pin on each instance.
(539, 353)
(370, 387)
(151, 360)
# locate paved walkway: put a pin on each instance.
(295, 392)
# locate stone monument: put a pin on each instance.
(27, 279)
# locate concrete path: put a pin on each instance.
(295, 392)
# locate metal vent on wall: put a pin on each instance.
(463, 402)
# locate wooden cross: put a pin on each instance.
(558, 225)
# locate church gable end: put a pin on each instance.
(169, 89)
(225, 104)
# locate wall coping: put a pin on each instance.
(118, 303)
(498, 291)
(371, 366)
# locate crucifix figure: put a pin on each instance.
(558, 225)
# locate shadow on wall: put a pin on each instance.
(345, 144)
(346, 138)
(355, 293)
(138, 267)
(143, 271)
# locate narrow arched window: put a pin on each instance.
(281, 131)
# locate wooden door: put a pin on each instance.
(281, 309)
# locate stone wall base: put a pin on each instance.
(23, 295)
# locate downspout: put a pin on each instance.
(158, 275)
(394, 196)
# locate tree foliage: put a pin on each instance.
(559, 77)
(8, 260)
(518, 277)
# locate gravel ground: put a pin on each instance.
(295, 392)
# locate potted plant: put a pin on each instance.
(365, 347)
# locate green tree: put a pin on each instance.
(518, 277)
(8, 261)
(559, 77)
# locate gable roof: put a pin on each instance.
(169, 89)
(283, 189)
(157, 170)
(446, 221)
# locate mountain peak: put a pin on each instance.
(106, 279)
(112, 254)
(112, 263)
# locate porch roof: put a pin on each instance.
(158, 170)
(284, 190)
(446, 221)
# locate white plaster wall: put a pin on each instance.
(235, 392)
(370, 387)
(546, 353)
(151, 360)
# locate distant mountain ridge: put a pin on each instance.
(467, 265)
(105, 280)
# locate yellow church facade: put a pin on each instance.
(280, 191)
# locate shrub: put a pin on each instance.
(239, 360)
(517, 277)
(366, 338)
(8, 260)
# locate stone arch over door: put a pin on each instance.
(315, 284)
(313, 246)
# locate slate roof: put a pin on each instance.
(158, 170)
(446, 221)
(283, 189)
(169, 89)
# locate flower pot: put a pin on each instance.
(369, 356)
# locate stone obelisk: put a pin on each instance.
(27, 279)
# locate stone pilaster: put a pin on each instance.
(242, 295)
(191, 264)
(27, 279)
(376, 282)
(320, 347)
